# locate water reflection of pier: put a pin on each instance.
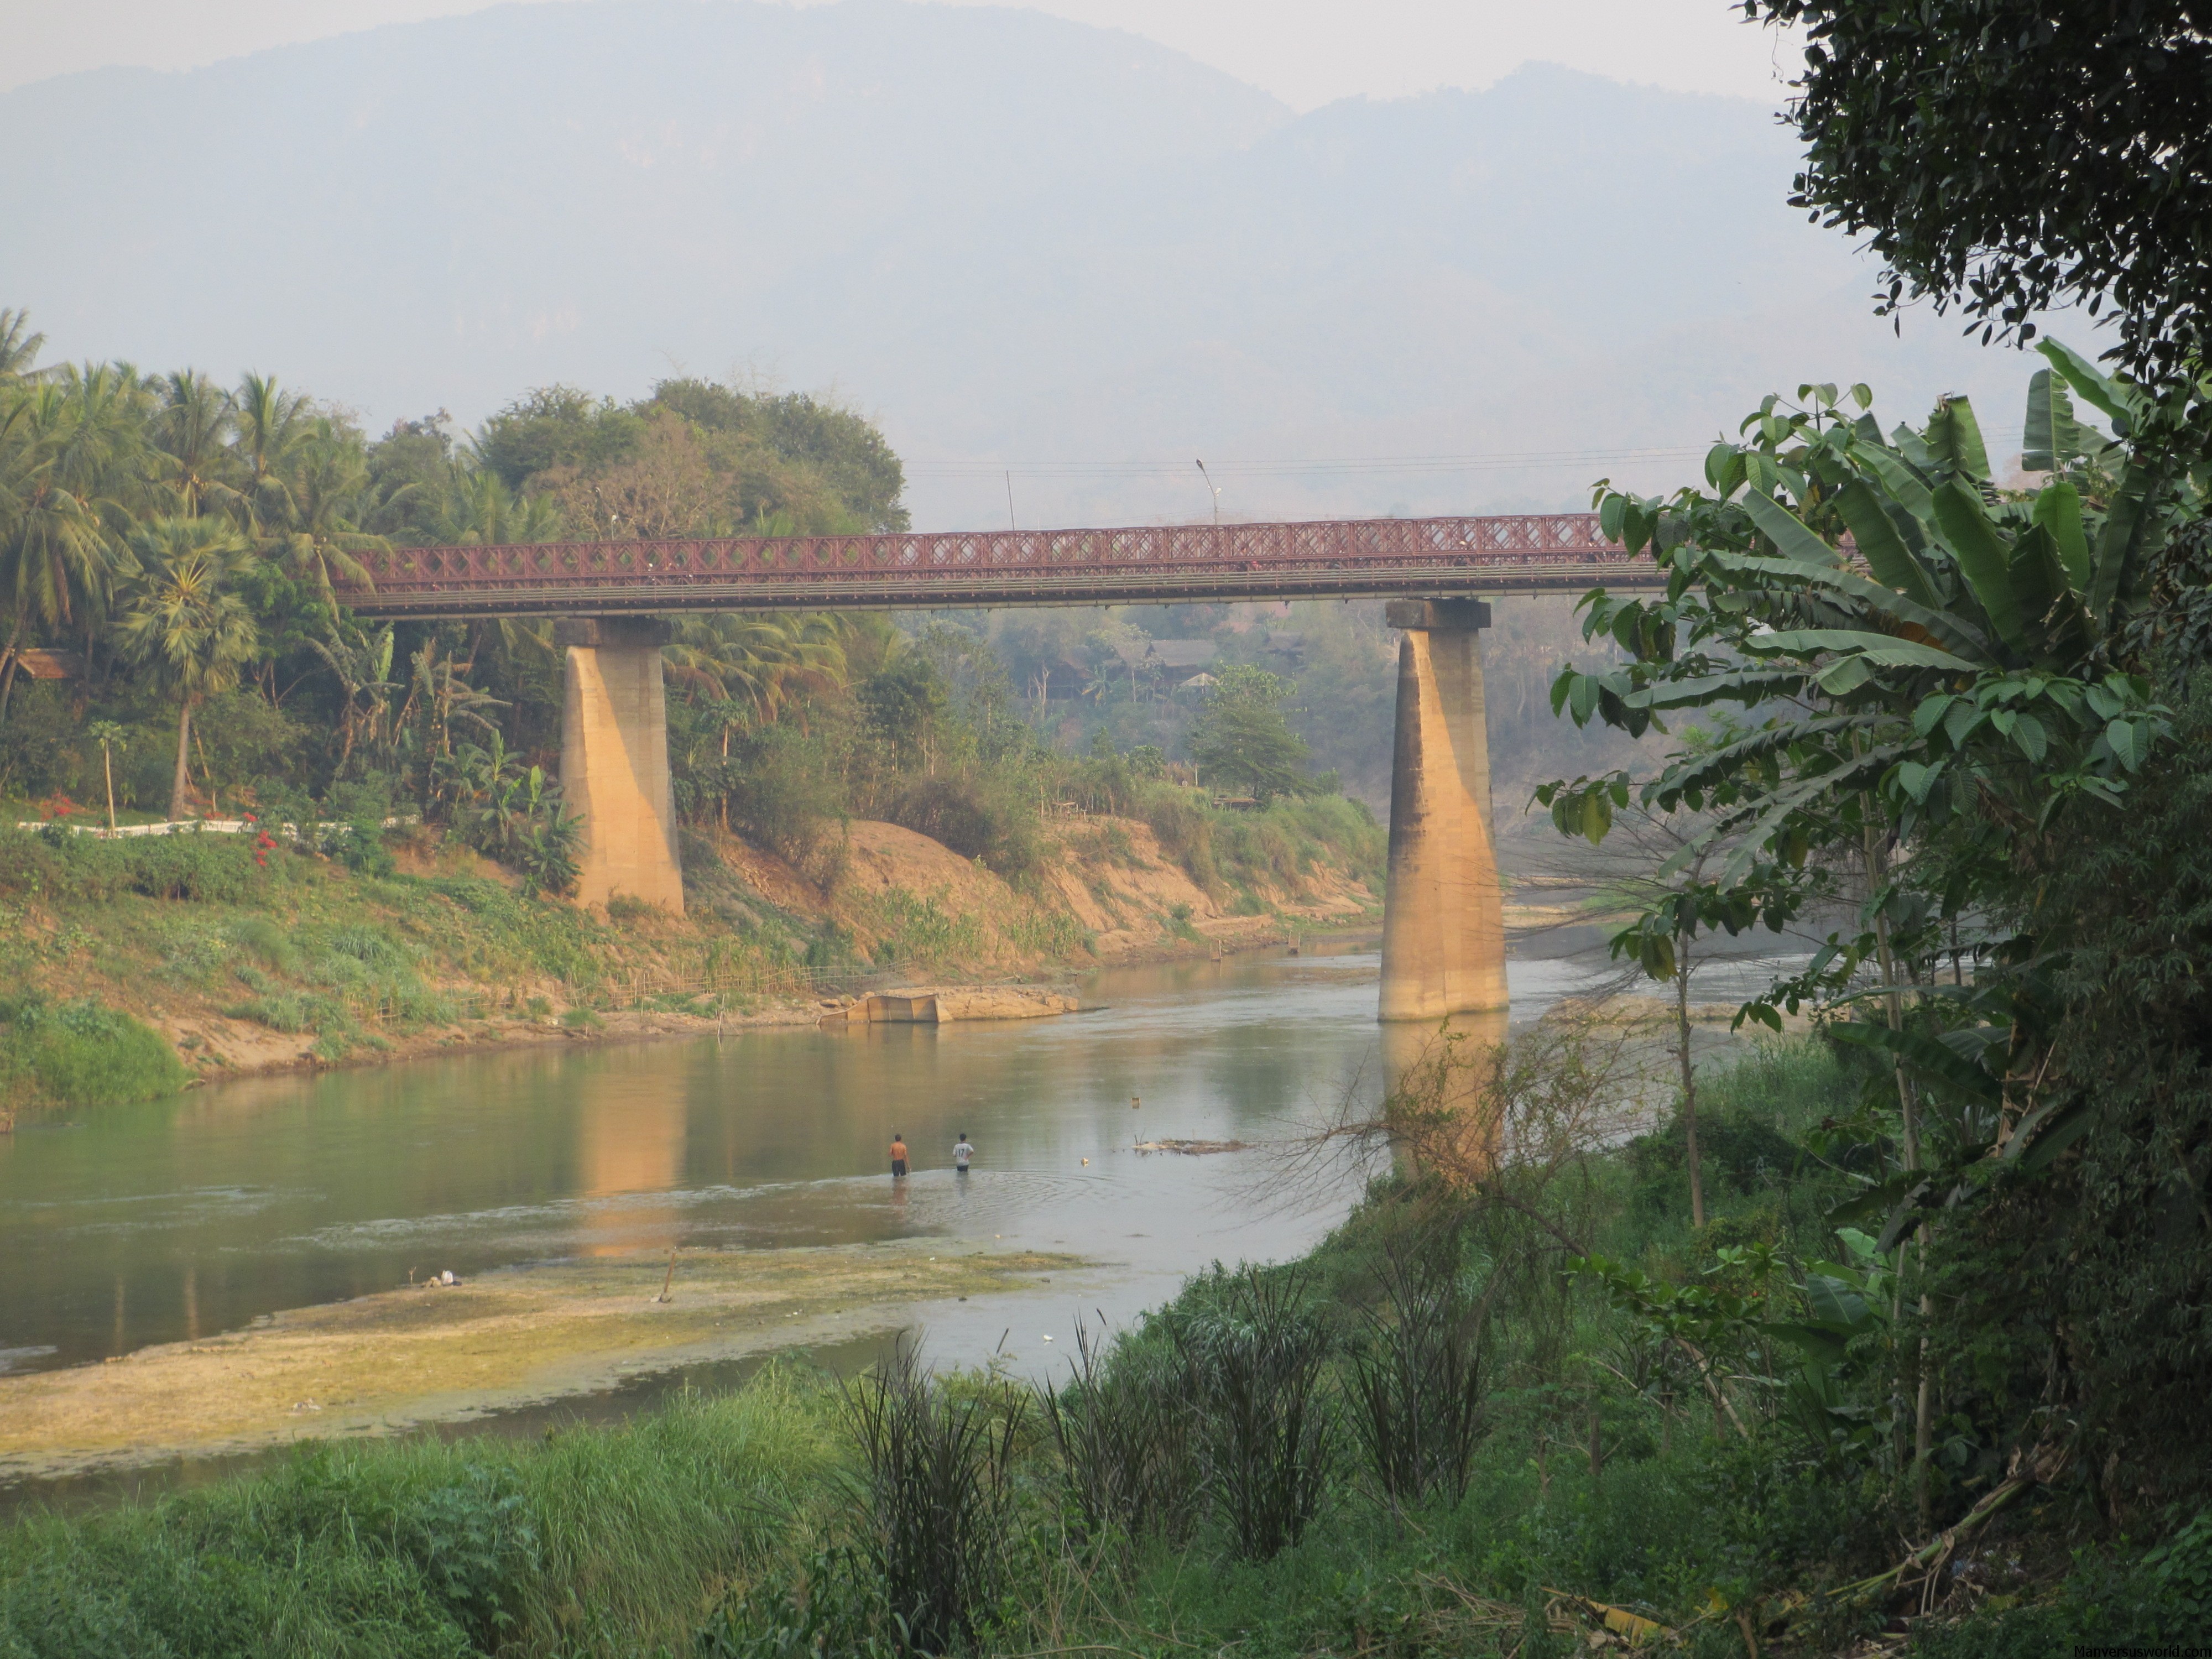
(630, 1139)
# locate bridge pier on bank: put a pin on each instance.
(1443, 926)
(614, 759)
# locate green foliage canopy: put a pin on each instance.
(1929, 717)
(1240, 738)
(2007, 156)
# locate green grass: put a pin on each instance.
(1280, 846)
(297, 944)
(81, 1054)
(591, 1542)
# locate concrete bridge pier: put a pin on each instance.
(1443, 930)
(614, 759)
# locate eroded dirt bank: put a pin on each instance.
(293, 963)
(409, 1355)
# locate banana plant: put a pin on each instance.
(1916, 672)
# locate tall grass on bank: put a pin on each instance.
(1129, 1455)
(1257, 1356)
(1416, 1381)
(598, 1541)
(1278, 846)
(80, 1053)
(938, 1495)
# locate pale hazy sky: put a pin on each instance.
(1307, 52)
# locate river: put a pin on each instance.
(184, 1218)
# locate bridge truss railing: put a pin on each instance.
(1350, 558)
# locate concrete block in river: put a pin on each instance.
(942, 1004)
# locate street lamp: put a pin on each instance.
(1213, 487)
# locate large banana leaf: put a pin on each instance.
(1883, 650)
(2129, 523)
(1954, 438)
(2053, 617)
(2116, 403)
(1909, 444)
(1745, 686)
(1717, 766)
(1783, 528)
(2051, 436)
(1947, 626)
(1774, 812)
(1768, 816)
(1928, 1057)
(1983, 556)
(1903, 481)
(1879, 543)
(2058, 510)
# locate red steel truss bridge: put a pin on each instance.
(1359, 558)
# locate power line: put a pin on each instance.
(1311, 464)
(1330, 465)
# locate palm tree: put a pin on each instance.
(481, 511)
(110, 737)
(270, 422)
(183, 623)
(193, 452)
(106, 461)
(755, 659)
(19, 347)
(329, 479)
(54, 562)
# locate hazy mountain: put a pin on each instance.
(1011, 238)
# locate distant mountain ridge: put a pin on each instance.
(1012, 239)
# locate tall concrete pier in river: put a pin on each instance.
(1443, 925)
(614, 759)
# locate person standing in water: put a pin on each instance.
(962, 1152)
(898, 1154)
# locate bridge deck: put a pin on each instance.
(1364, 558)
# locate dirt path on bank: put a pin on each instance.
(519, 1336)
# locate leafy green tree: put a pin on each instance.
(845, 449)
(1240, 738)
(2006, 155)
(1932, 717)
(811, 439)
(906, 702)
(555, 426)
(410, 470)
(2077, 1276)
(184, 623)
(324, 488)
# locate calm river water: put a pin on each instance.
(190, 1216)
